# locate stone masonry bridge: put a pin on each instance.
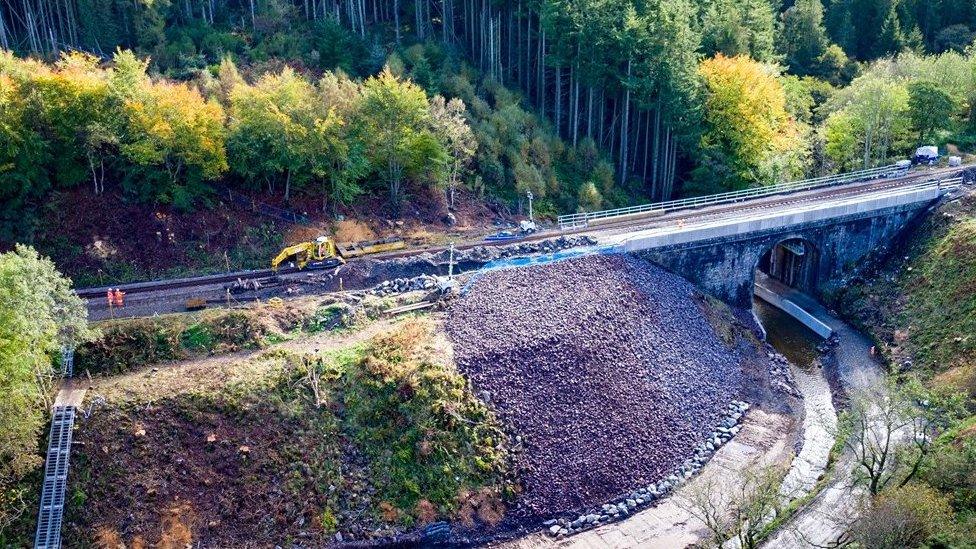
(808, 243)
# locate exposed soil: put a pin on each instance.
(107, 239)
(605, 367)
(196, 472)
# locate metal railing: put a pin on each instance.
(51, 512)
(576, 220)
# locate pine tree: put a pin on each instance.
(890, 39)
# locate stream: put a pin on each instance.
(799, 345)
(787, 335)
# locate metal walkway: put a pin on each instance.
(68, 360)
(51, 511)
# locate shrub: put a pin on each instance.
(903, 517)
(134, 343)
(427, 435)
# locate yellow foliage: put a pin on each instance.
(174, 126)
(745, 108)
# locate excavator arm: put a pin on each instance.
(320, 254)
(299, 251)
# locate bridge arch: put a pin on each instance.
(793, 260)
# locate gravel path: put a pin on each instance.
(605, 367)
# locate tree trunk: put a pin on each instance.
(396, 19)
(576, 93)
(647, 141)
(287, 185)
(656, 155)
(625, 127)
(559, 100)
(589, 112)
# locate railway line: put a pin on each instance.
(607, 227)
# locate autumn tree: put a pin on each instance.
(749, 138)
(450, 123)
(23, 159)
(395, 122)
(272, 135)
(176, 140)
(907, 516)
(342, 161)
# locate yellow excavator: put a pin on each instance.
(324, 253)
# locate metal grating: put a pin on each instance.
(68, 360)
(51, 512)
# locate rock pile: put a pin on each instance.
(403, 285)
(370, 272)
(604, 368)
(643, 496)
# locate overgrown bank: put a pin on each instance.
(366, 441)
(127, 345)
(919, 305)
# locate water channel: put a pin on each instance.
(787, 335)
(799, 345)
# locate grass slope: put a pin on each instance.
(920, 306)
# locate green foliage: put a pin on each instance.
(907, 516)
(952, 468)
(126, 345)
(941, 300)
(396, 123)
(930, 108)
(175, 139)
(868, 123)
(428, 438)
(272, 134)
(738, 28)
(513, 150)
(38, 314)
(589, 198)
(803, 40)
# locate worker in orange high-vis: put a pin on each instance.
(119, 298)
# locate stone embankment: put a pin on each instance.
(609, 375)
(643, 496)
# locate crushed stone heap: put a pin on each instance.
(605, 366)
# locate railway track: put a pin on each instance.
(606, 228)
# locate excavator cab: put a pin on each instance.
(319, 254)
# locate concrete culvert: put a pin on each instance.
(606, 368)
